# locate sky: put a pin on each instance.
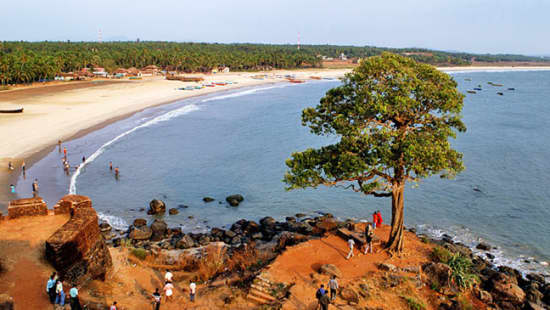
(479, 26)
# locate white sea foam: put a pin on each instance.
(245, 92)
(115, 221)
(161, 118)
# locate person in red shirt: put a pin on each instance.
(379, 218)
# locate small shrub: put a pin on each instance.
(413, 303)
(4, 87)
(440, 255)
(425, 239)
(435, 285)
(139, 253)
(462, 270)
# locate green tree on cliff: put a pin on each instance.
(393, 117)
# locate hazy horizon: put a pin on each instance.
(492, 26)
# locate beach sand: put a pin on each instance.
(62, 112)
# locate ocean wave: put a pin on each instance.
(115, 221)
(245, 92)
(161, 118)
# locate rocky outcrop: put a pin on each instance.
(156, 207)
(505, 290)
(438, 274)
(330, 270)
(140, 233)
(77, 250)
(158, 228)
(27, 207)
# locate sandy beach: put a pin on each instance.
(62, 112)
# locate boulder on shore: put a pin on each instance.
(234, 200)
(158, 229)
(208, 199)
(173, 211)
(156, 207)
(140, 222)
(185, 242)
(141, 233)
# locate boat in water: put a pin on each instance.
(471, 92)
(477, 88)
(500, 93)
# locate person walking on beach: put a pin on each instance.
(59, 145)
(351, 243)
(35, 188)
(23, 167)
(65, 152)
(74, 301)
(192, 291)
(333, 287)
(59, 294)
(320, 293)
(156, 299)
(168, 291)
(50, 287)
(369, 232)
(12, 188)
(10, 166)
(113, 306)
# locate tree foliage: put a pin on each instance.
(23, 62)
(393, 117)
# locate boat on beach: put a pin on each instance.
(12, 110)
(296, 81)
(315, 77)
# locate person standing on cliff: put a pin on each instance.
(35, 188)
(369, 232)
(50, 287)
(333, 286)
(374, 219)
(379, 218)
(74, 301)
(192, 291)
(168, 276)
(319, 294)
(113, 306)
(156, 299)
(60, 294)
(351, 243)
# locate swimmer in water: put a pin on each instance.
(116, 172)
(111, 165)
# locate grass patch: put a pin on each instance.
(139, 253)
(413, 303)
(4, 87)
(441, 255)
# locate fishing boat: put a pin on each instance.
(220, 83)
(500, 93)
(471, 92)
(511, 88)
(13, 110)
(315, 77)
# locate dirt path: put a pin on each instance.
(22, 254)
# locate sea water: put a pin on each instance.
(238, 142)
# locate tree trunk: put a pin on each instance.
(395, 242)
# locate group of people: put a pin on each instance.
(322, 296)
(56, 294)
(369, 235)
(168, 291)
(23, 171)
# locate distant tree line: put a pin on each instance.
(24, 62)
